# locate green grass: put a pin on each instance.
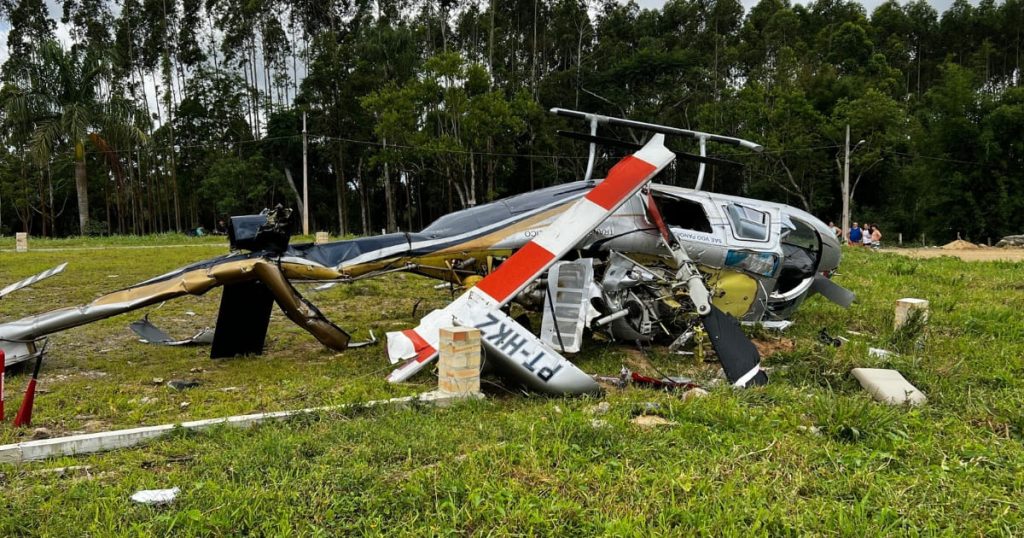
(809, 454)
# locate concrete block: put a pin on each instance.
(904, 308)
(321, 238)
(458, 369)
(888, 386)
(21, 242)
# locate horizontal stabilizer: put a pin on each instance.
(151, 334)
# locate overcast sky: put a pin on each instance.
(870, 5)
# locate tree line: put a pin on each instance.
(164, 115)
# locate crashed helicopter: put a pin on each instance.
(640, 261)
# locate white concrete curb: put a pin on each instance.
(102, 441)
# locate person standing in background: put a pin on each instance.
(876, 237)
(865, 233)
(854, 235)
(836, 230)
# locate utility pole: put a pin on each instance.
(846, 187)
(305, 175)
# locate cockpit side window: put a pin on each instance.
(748, 223)
(683, 213)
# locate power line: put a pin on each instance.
(444, 150)
(927, 157)
(231, 144)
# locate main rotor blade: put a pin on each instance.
(24, 283)
(708, 160)
(625, 144)
(602, 140)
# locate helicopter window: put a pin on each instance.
(747, 222)
(683, 213)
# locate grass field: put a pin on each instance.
(809, 454)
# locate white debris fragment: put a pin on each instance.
(888, 386)
(694, 393)
(880, 353)
(599, 409)
(652, 421)
(156, 496)
(775, 325)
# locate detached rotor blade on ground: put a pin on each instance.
(32, 279)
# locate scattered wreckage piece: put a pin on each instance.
(156, 496)
(888, 386)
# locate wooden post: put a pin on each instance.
(901, 239)
(904, 308)
(21, 242)
(459, 362)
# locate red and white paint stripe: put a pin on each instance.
(32, 279)
(624, 180)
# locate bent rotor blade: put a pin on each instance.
(624, 180)
(740, 359)
(32, 279)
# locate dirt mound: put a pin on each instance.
(960, 244)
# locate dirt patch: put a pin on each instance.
(974, 255)
(637, 361)
(960, 244)
(768, 348)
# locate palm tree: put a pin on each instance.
(71, 93)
